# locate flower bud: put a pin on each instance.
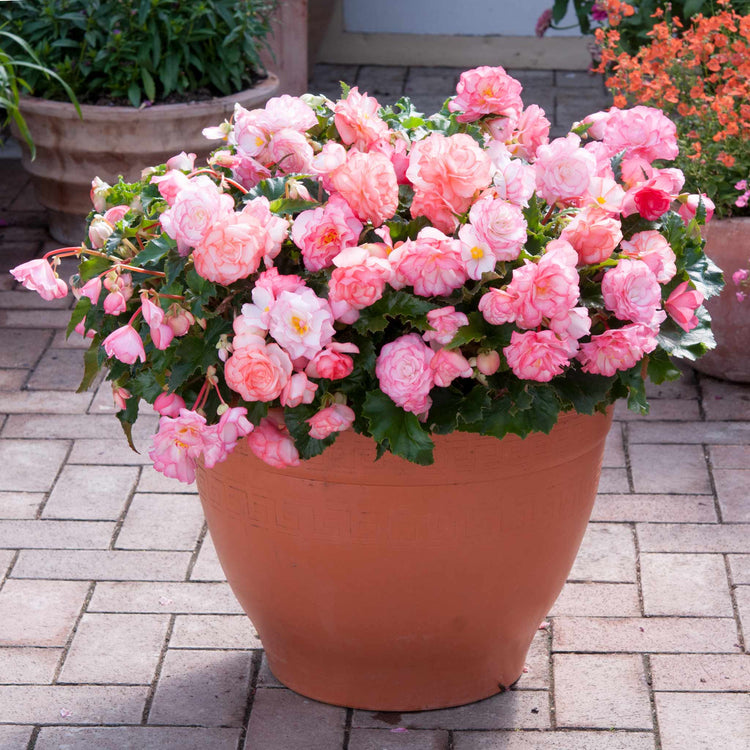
(99, 190)
(99, 231)
(488, 363)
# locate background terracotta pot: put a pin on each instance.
(113, 141)
(728, 245)
(390, 586)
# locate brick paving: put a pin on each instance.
(117, 629)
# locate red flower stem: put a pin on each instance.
(548, 215)
(202, 394)
(135, 315)
(218, 393)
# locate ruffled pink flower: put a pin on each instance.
(290, 152)
(169, 404)
(358, 121)
(178, 444)
(334, 418)
(275, 282)
(653, 249)
(447, 365)
(632, 292)
(513, 179)
(486, 91)
(125, 344)
(531, 131)
(171, 184)
(501, 225)
(616, 349)
(301, 322)
(564, 170)
(682, 304)
(606, 194)
(271, 230)
(322, 233)
(536, 355)
(644, 132)
(593, 233)
(404, 374)
(431, 264)
(368, 183)
(115, 303)
(38, 276)
(298, 390)
(271, 442)
(98, 193)
(333, 362)
(258, 373)
(359, 278)
(652, 203)
(444, 322)
(690, 206)
(289, 112)
(248, 171)
(498, 306)
(397, 151)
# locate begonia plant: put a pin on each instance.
(342, 265)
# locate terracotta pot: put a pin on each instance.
(728, 245)
(395, 587)
(113, 141)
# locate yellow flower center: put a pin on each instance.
(330, 236)
(299, 325)
(477, 252)
(601, 200)
(259, 141)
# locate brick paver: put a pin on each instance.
(118, 630)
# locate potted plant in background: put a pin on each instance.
(454, 296)
(699, 73)
(149, 75)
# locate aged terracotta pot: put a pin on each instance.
(395, 587)
(728, 245)
(113, 141)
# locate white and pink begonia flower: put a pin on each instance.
(603, 159)
(653, 249)
(357, 120)
(367, 182)
(571, 329)
(536, 355)
(98, 194)
(92, 289)
(178, 444)
(276, 282)
(322, 233)
(500, 224)
(301, 322)
(38, 276)
(682, 304)
(359, 278)
(689, 206)
(258, 373)
(291, 112)
(83, 331)
(248, 171)
(334, 418)
(654, 193)
(644, 132)
(290, 151)
(330, 158)
(120, 287)
(531, 132)
(476, 254)
(513, 179)
(197, 207)
(222, 438)
(498, 306)
(593, 233)
(564, 170)
(447, 365)
(487, 91)
(182, 162)
(616, 349)
(444, 323)
(333, 362)
(271, 442)
(298, 390)
(271, 230)
(431, 264)
(631, 291)
(125, 344)
(606, 194)
(169, 404)
(488, 363)
(404, 374)
(171, 184)
(396, 148)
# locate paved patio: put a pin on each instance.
(118, 631)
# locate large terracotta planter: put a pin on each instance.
(113, 141)
(728, 245)
(389, 586)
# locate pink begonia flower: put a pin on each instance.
(476, 254)
(92, 289)
(444, 323)
(271, 230)
(248, 171)
(603, 161)
(301, 322)
(291, 112)
(531, 131)
(690, 206)
(82, 331)
(298, 390)
(512, 179)
(271, 442)
(404, 374)
(179, 319)
(38, 276)
(120, 397)
(501, 225)
(334, 418)
(446, 172)
(498, 306)
(536, 355)
(333, 362)
(290, 151)
(661, 186)
(447, 365)
(359, 278)
(606, 194)
(644, 132)
(125, 344)
(197, 207)
(368, 183)
(162, 336)
(171, 184)
(322, 233)
(99, 232)
(653, 249)
(682, 304)
(594, 234)
(431, 264)
(115, 303)
(397, 151)
(652, 203)
(739, 276)
(564, 170)
(222, 438)
(488, 363)
(98, 194)
(616, 349)
(486, 91)
(178, 444)
(182, 161)
(357, 120)
(330, 158)
(631, 291)
(574, 327)
(169, 404)
(275, 282)
(116, 213)
(258, 373)
(161, 333)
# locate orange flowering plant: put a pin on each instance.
(697, 74)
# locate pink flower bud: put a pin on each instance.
(182, 161)
(99, 190)
(116, 213)
(92, 289)
(169, 404)
(179, 319)
(125, 344)
(488, 363)
(99, 231)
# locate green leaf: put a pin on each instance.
(296, 422)
(582, 390)
(291, 206)
(134, 94)
(90, 366)
(146, 385)
(559, 9)
(148, 84)
(400, 429)
(475, 330)
(87, 269)
(79, 313)
(660, 367)
(395, 304)
(154, 251)
(273, 188)
(633, 381)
